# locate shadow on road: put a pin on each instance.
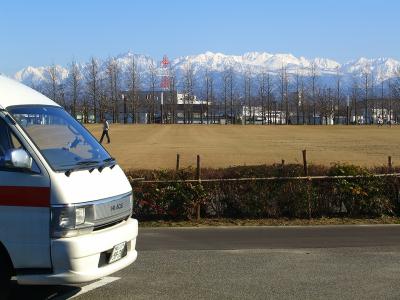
(56, 292)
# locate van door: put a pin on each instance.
(24, 205)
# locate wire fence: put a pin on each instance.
(275, 178)
(286, 191)
(286, 178)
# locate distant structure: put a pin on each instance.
(165, 73)
(165, 84)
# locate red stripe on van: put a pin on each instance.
(24, 196)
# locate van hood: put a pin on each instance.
(83, 186)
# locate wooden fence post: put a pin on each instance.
(177, 162)
(198, 177)
(390, 166)
(305, 163)
(309, 184)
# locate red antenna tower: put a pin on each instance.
(165, 77)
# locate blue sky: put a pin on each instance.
(44, 32)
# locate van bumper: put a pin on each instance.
(78, 259)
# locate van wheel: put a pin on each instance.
(5, 277)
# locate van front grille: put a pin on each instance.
(110, 224)
(111, 211)
(112, 208)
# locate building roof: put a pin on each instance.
(14, 93)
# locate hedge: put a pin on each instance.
(367, 196)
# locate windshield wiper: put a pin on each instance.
(92, 164)
(87, 162)
(108, 162)
(109, 159)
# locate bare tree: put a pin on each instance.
(92, 82)
(338, 94)
(225, 80)
(354, 95)
(382, 99)
(102, 95)
(53, 76)
(247, 97)
(321, 101)
(116, 88)
(325, 105)
(211, 84)
(152, 85)
(112, 71)
(330, 109)
(366, 74)
(394, 90)
(395, 83)
(284, 86)
(269, 97)
(230, 78)
(110, 87)
(188, 83)
(302, 97)
(173, 95)
(74, 83)
(133, 85)
(372, 94)
(298, 96)
(207, 87)
(314, 78)
(262, 92)
(61, 95)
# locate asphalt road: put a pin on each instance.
(323, 262)
(296, 237)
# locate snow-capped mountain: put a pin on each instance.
(254, 62)
(248, 64)
(380, 68)
(36, 76)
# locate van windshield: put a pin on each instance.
(62, 140)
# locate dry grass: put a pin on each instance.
(156, 146)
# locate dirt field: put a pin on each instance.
(156, 146)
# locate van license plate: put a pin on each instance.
(117, 252)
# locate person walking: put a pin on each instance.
(106, 128)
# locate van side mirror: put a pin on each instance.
(18, 158)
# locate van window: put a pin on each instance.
(9, 141)
(15, 142)
(62, 140)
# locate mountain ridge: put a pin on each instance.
(248, 64)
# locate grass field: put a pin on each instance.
(156, 146)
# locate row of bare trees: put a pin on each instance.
(89, 93)
(109, 90)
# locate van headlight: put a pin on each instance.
(69, 221)
(80, 214)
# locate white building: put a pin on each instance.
(381, 115)
(254, 114)
(184, 99)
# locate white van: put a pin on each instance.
(65, 204)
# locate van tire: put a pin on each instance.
(5, 273)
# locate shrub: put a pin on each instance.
(364, 196)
